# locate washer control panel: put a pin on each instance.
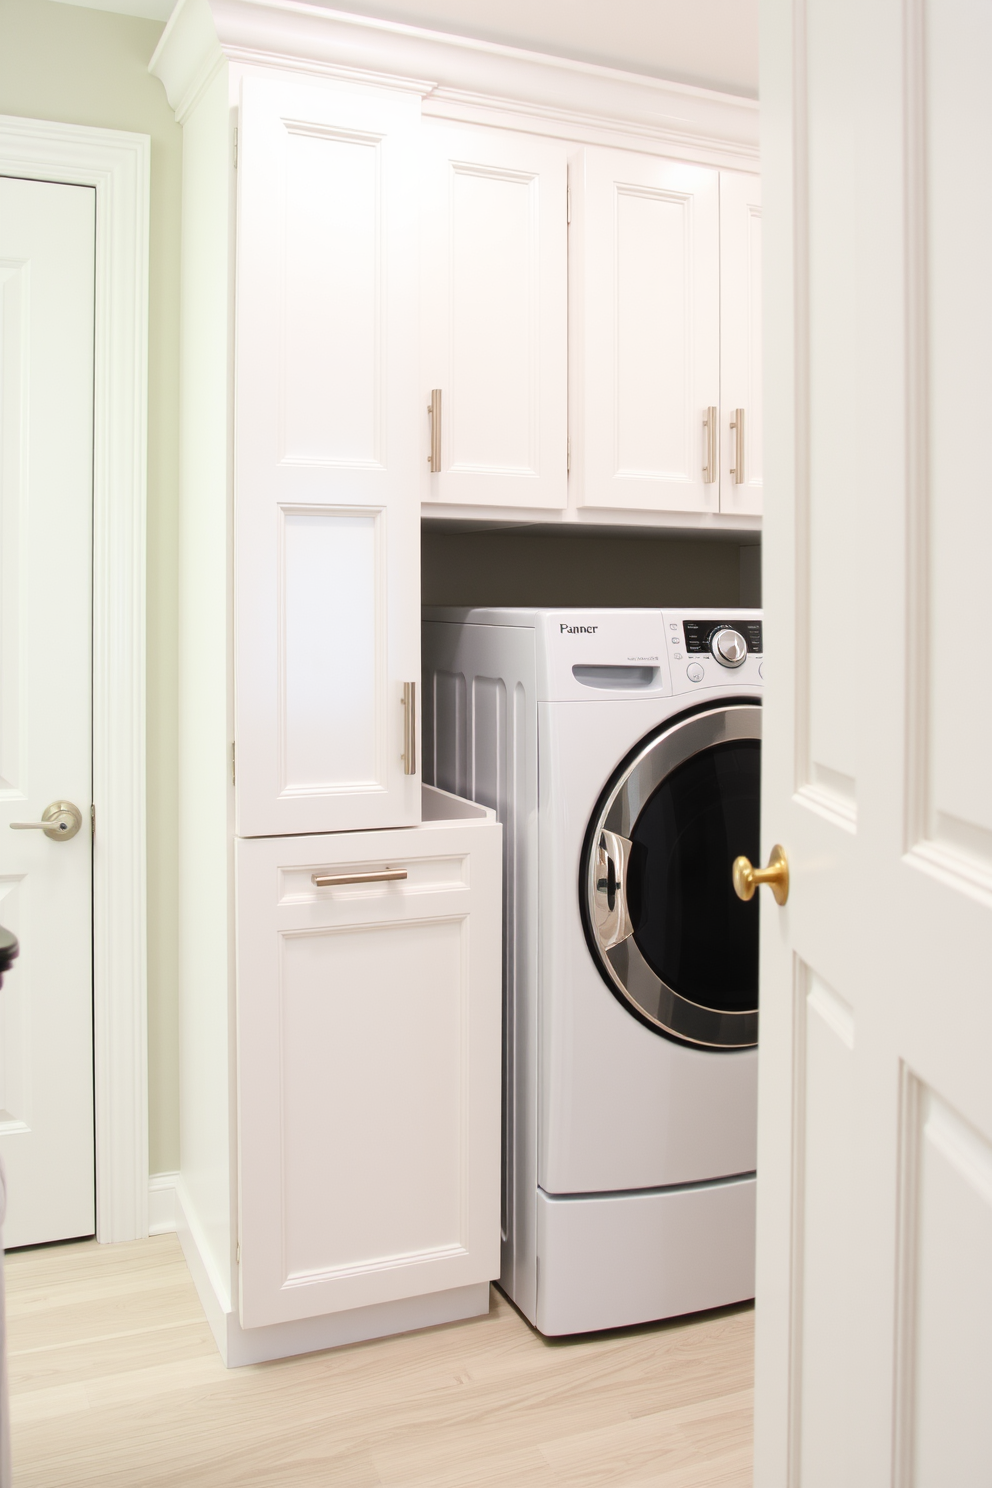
(729, 641)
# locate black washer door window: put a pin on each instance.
(689, 925)
(669, 936)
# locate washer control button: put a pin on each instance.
(729, 647)
(694, 672)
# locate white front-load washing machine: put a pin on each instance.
(621, 751)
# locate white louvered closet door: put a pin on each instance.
(494, 317)
(326, 436)
(646, 326)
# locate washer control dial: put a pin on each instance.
(729, 647)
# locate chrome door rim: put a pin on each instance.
(623, 966)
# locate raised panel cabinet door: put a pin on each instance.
(494, 318)
(646, 322)
(326, 517)
(369, 1021)
(741, 465)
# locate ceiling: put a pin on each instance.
(710, 42)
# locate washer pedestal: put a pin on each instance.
(610, 1260)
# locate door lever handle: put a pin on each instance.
(59, 821)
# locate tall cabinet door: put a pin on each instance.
(646, 322)
(326, 436)
(369, 1067)
(494, 318)
(741, 468)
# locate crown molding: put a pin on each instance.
(458, 76)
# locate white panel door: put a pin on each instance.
(646, 324)
(741, 465)
(47, 237)
(368, 1068)
(327, 518)
(494, 316)
(874, 1288)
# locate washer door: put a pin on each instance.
(665, 927)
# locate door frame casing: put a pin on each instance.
(117, 165)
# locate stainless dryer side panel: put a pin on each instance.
(480, 741)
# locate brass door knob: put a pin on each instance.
(776, 876)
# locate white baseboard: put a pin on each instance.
(162, 1204)
(239, 1345)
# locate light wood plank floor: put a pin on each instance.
(115, 1381)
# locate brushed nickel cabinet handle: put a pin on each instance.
(709, 424)
(737, 469)
(434, 409)
(409, 728)
(384, 875)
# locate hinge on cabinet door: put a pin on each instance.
(568, 455)
(237, 1254)
(92, 821)
(235, 147)
(568, 204)
(233, 780)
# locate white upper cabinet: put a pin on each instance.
(645, 246)
(741, 469)
(327, 580)
(494, 318)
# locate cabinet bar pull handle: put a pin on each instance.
(384, 875)
(409, 728)
(709, 424)
(737, 469)
(434, 409)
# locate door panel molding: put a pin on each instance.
(117, 165)
(823, 1039)
(945, 1208)
(947, 803)
(823, 734)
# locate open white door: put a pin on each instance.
(874, 1305)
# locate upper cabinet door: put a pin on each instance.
(494, 318)
(741, 469)
(646, 331)
(327, 604)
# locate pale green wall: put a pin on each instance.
(80, 66)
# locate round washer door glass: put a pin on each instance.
(668, 933)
